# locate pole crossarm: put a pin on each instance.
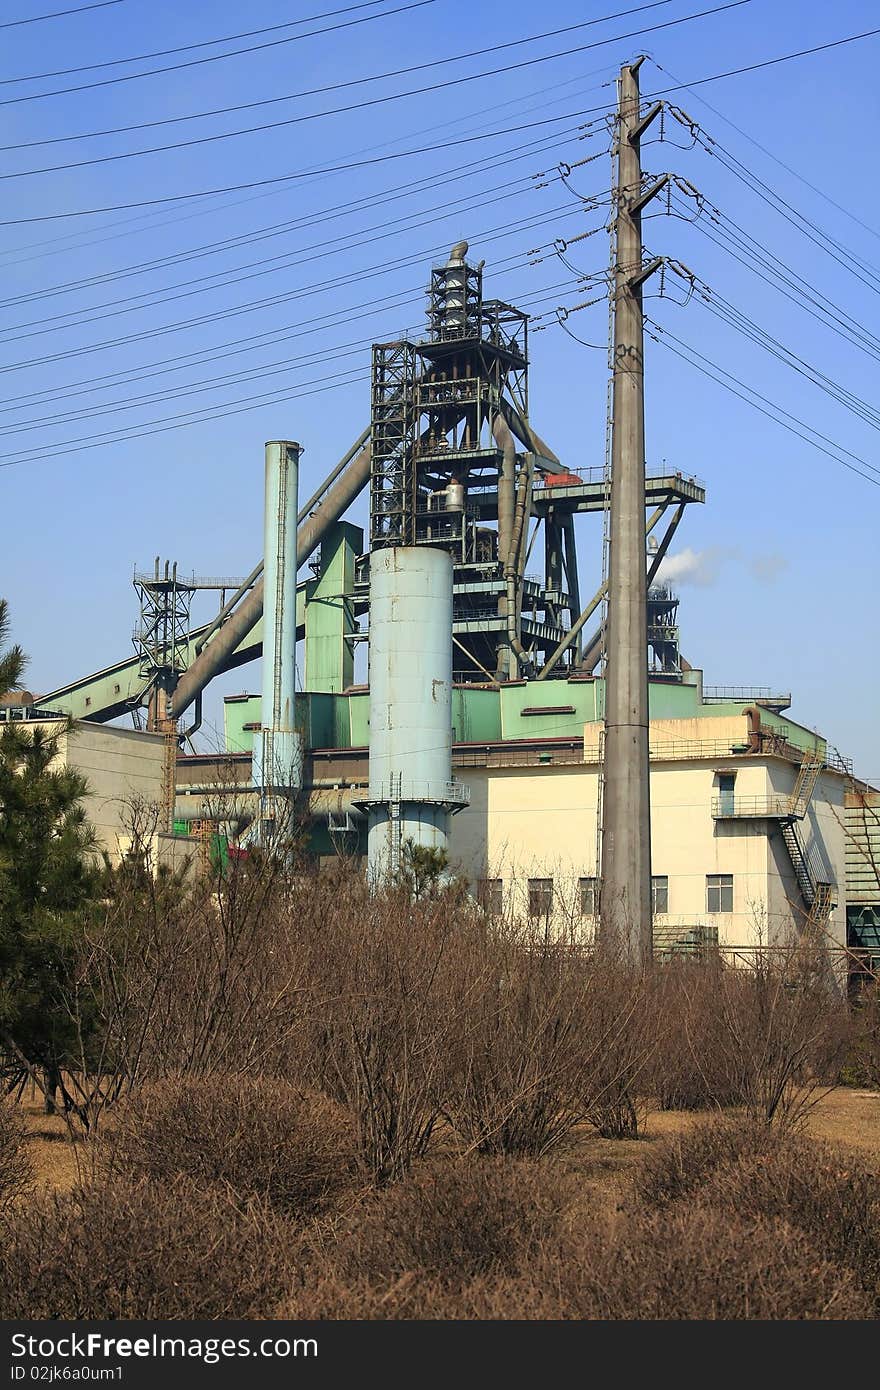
(647, 270)
(638, 129)
(649, 194)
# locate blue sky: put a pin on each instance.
(777, 572)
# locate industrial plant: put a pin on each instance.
(479, 732)
(554, 751)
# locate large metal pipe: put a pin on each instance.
(517, 566)
(310, 534)
(506, 512)
(528, 437)
(301, 516)
(570, 565)
(278, 758)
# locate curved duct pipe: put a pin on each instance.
(323, 803)
(521, 520)
(211, 659)
(753, 715)
(506, 485)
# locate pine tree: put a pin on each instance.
(48, 876)
(12, 661)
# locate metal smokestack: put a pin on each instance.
(278, 757)
(456, 292)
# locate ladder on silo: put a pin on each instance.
(394, 831)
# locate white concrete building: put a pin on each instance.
(740, 856)
(122, 767)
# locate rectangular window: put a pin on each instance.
(589, 889)
(719, 892)
(490, 895)
(540, 897)
(659, 894)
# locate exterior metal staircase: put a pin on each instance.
(799, 861)
(817, 893)
(808, 775)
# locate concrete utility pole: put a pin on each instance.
(626, 823)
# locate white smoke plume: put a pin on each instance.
(702, 568)
(688, 566)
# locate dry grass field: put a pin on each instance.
(846, 1116)
(439, 1116)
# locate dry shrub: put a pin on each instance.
(823, 1191)
(676, 1167)
(620, 1021)
(690, 1263)
(258, 1137)
(410, 1297)
(16, 1174)
(388, 1001)
(175, 977)
(863, 1059)
(783, 1033)
(453, 1221)
(519, 1069)
(690, 1067)
(144, 1250)
(695, 1262)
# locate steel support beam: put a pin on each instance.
(591, 607)
(593, 648)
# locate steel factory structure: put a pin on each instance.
(507, 721)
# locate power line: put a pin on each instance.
(381, 197)
(188, 47)
(778, 274)
(338, 86)
(180, 421)
(827, 243)
(215, 57)
(59, 14)
(767, 407)
(735, 318)
(369, 272)
(327, 354)
(80, 239)
(93, 381)
(231, 348)
(366, 104)
(770, 155)
(206, 193)
(313, 172)
(766, 63)
(321, 251)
